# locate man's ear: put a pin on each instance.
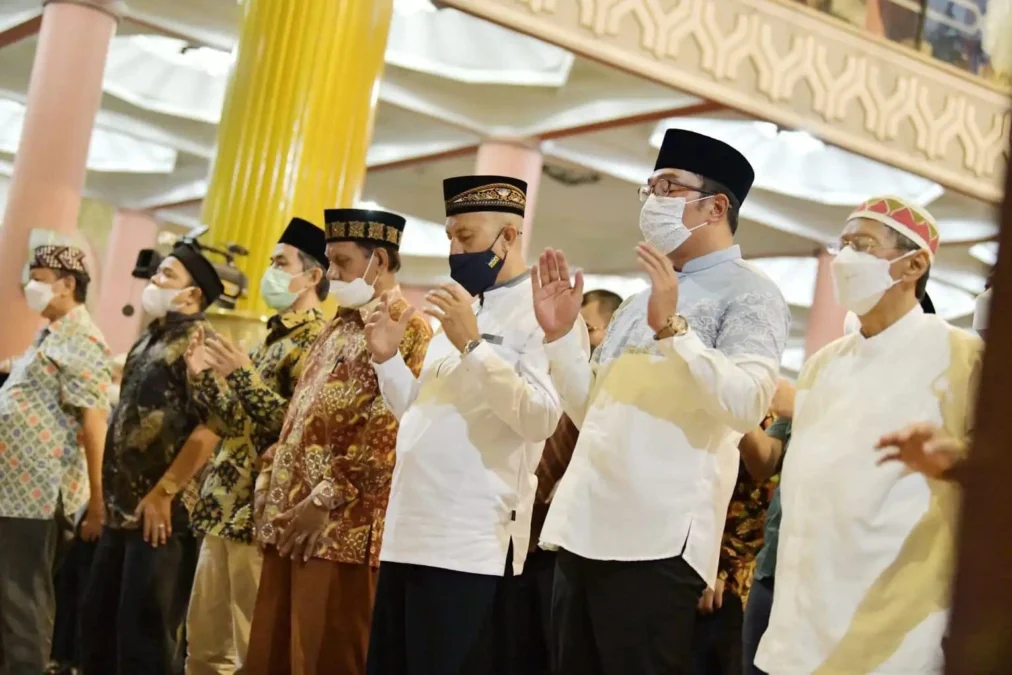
(919, 264)
(720, 206)
(382, 258)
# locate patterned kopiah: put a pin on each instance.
(153, 420)
(247, 411)
(904, 217)
(66, 258)
(67, 369)
(339, 431)
(497, 194)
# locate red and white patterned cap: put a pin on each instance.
(907, 218)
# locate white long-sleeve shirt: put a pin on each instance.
(656, 461)
(866, 550)
(471, 435)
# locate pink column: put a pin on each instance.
(118, 312)
(45, 191)
(825, 318)
(516, 160)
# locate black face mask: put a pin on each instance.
(476, 272)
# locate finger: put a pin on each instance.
(578, 283)
(307, 552)
(553, 266)
(439, 301)
(660, 260)
(718, 600)
(406, 316)
(299, 546)
(435, 314)
(457, 292)
(535, 279)
(163, 533)
(644, 256)
(386, 302)
(563, 267)
(543, 273)
(283, 518)
(890, 457)
(287, 540)
(648, 267)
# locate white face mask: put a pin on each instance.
(353, 294)
(860, 279)
(157, 301)
(981, 312)
(38, 295)
(274, 289)
(661, 222)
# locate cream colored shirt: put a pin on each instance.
(866, 550)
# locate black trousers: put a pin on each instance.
(717, 639)
(73, 572)
(27, 597)
(135, 604)
(432, 621)
(533, 613)
(617, 618)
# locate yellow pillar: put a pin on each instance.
(296, 124)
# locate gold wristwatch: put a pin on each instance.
(675, 326)
(169, 487)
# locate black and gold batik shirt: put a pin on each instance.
(154, 418)
(247, 409)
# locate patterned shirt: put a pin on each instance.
(154, 418)
(67, 369)
(743, 532)
(247, 412)
(340, 434)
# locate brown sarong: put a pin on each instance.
(311, 618)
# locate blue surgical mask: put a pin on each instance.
(476, 272)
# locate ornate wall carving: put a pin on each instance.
(781, 61)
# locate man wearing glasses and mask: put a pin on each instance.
(686, 368)
(866, 540)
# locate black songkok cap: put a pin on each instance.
(377, 227)
(927, 305)
(308, 238)
(60, 258)
(708, 157)
(201, 269)
(468, 194)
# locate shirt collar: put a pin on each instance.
(712, 259)
(509, 283)
(292, 320)
(68, 320)
(897, 331)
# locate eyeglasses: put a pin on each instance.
(859, 244)
(663, 187)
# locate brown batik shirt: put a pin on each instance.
(338, 439)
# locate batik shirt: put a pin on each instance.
(153, 420)
(743, 532)
(339, 434)
(247, 411)
(66, 370)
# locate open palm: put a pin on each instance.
(196, 354)
(557, 299)
(383, 334)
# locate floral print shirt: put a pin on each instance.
(743, 530)
(247, 411)
(42, 460)
(154, 418)
(338, 440)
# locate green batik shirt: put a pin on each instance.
(247, 410)
(153, 420)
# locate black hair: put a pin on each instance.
(310, 263)
(369, 247)
(905, 243)
(81, 281)
(714, 187)
(609, 301)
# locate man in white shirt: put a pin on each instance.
(866, 544)
(472, 429)
(685, 369)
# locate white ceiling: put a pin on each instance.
(451, 80)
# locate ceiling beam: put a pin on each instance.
(704, 108)
(20, 31)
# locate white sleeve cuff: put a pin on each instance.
(569, 345)
(391, 368)
(687, 346)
